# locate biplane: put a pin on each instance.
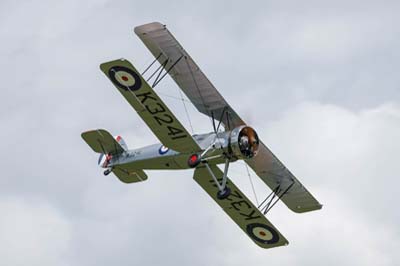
(202, 152)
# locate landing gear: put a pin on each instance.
(195, 159)
(224, 194)
(107, 171)
(223, 190)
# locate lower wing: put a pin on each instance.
(241, 210)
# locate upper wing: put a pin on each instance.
(277, 176)
(102, 142)
(187, 74)
(241, 210)
(207, 100)
(149, 106)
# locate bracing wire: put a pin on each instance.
(251, 182)
(174, 97)
(198, 89)
(186, 111)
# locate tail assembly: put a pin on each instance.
(121, 142)
(102, 142)
(110, 150)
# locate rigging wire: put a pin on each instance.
(160, 69)
(198, 89)
(186, 111)
(173, 97)
(248, 174)
(251, 182)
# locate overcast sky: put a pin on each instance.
(318, 80)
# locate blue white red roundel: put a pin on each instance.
(125, 78)
(262, 233)
(163, 150)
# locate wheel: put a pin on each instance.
(224, 194)
(107, 172)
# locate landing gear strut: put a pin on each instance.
(195, 159)
(223, 190)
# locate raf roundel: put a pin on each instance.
(163, 150)
(125, 78)
(262, 233)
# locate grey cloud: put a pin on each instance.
(317, 80)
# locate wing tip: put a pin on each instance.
(85, 133)
(104, 66)
(284, 243)
(300, 209)
(143, 29)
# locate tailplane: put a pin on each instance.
(127, 175)
(110, 148)
(103, 142)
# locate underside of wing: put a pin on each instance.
(187, 74)
(268, 167)
(241, 210)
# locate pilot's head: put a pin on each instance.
(244, 142)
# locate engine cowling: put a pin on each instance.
(243, 142)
